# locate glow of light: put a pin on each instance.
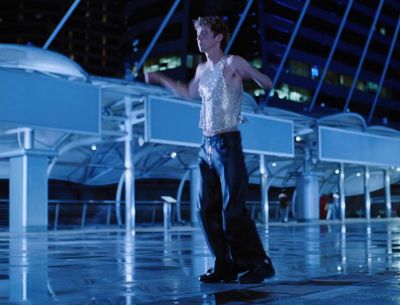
(358, 174)
(174, 155)
(274, 164)
(298, 138)
(397, 169)
(337, 172)
(93, 147)
(140, 141)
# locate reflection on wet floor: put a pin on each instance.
(315, 263)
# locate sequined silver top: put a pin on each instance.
(220, 110)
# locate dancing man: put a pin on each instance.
(229, 230)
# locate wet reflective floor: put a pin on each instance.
(316, 264)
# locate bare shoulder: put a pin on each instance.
(235, 60)
(200, 70)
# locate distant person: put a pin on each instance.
(283, 206)
(333, 206)
(229, 230)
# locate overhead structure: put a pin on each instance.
(116, 125)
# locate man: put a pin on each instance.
(229, 230)
(283, 206)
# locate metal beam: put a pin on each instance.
(139, 65)
(364, 53)
(328, 62)
(285, 55)
(61, 24)
(238, 25)
(383, 75)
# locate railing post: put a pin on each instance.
(56, 214)
(167, 208)
(83, 220)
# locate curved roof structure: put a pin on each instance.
(36, 59)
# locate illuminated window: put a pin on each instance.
(345, 80)
(314, 72)
(258, 92)
(360, 85)
(372, 87)
(257, 63)
(162, 63)
(292, 93)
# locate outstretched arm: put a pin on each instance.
(247, 71)
(188, 91)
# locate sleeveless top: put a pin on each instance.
(220, 110)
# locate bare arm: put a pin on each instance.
(247, 71)
(188, 91)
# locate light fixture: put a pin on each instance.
(140, 141)
(358, 174)
(337, 172)
(174, 154)
(273, 164)
(93, 147)
(298, 139)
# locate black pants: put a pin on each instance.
(229, 230)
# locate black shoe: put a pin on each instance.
(258, 273)
(215, 277)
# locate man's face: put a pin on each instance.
(206, 38)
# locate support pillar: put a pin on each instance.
(367, 195)
(28, 191)
(130, 210)
(28, 270)
(264, 191)
(307, 198)
(194, 194)
(388, 197)
(341, 194)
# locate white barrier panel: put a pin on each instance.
(170, 121)
(46, 102)
(356, 147)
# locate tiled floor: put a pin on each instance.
(316, 264)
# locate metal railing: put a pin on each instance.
(85, 213)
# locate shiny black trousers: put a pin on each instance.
(229, 230)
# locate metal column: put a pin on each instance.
(328, 61)
(139, 65)
(129, 172)
(367, 195)
(342, 194)
(389, 56)
(238, 26)
(28, 192)
(307, 199)
(61, 24)
(289, 46)
(388, 199)
(264, 191)
(364, 53)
